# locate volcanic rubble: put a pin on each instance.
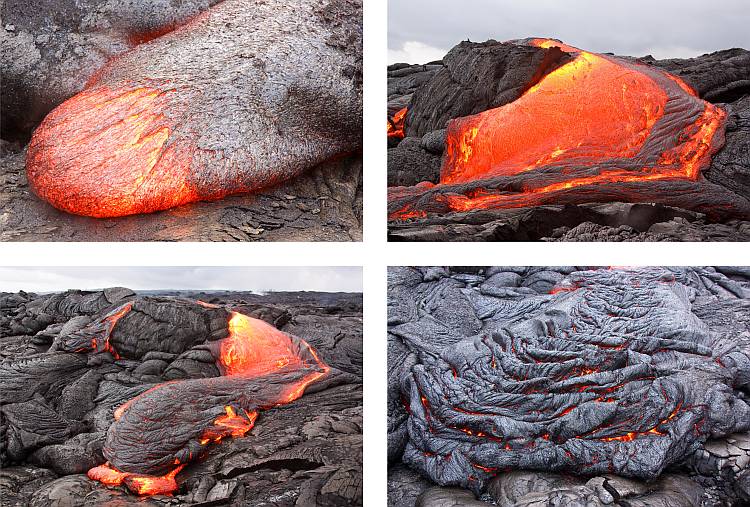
(575, 386)
(53, 53)
(183, 398)
(456, 128)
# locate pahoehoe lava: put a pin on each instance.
(498, 129)
(154, 393)
(621, 373)
(242, 96)
(155, 434)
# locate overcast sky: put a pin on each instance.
(423, 30)
(49, 279)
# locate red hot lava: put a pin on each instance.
(595, 120)
(120, 137)
(396, 124)
(252, 350)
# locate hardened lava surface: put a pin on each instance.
(180, 398)
(622, 374)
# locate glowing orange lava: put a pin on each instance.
(111, 322)
(396, 124)
(106, 152)
(592, 108)
(595, 120)
(252, 350)
(137, 483)
(255, 348)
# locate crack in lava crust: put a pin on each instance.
(157, 433)
(613, 375)
(598, 128)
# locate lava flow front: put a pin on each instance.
(157, 433)
(598, 125)
(106, 152)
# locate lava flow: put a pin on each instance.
(614, 365)
(598, 125)
(593, 109)
(396, 124)
(158, 432)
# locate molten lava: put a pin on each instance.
(396, 124)
(110, 322)
(255, 348)
(139, 484)
(589, 110)
(110, 155)
(597, 120)
(254, 351)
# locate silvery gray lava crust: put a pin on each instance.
(65, 368)
(527, 385)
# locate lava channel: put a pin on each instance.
(158, 432)
(596, 129)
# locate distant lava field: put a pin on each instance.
(573, 386)
(535, 139)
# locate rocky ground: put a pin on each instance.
(59, 393)
(572, 386)
(587, 222)
(475, 77)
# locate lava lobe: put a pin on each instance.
(158, 432)
(237, 99)
(597, 128)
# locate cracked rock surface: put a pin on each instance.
(569, 385)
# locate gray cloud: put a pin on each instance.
(47, 279)
(664, 28)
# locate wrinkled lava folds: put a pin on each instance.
(594, 122)
(157, 433)
(611, 374)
